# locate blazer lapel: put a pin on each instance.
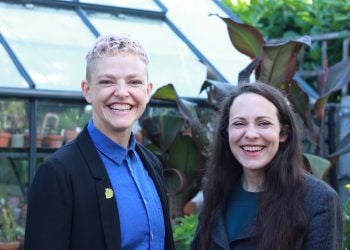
(105, 195)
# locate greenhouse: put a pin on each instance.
(43, 44)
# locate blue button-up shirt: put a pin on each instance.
(139, 206)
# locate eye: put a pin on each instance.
(237, 124)
(106, 82)
(135, 82)
(264, 123)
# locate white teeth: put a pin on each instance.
(120, 107)
(252, 148)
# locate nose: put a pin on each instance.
(121, 89)
(251, 132)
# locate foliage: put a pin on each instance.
(184, 229)
(73, 118)
(180, 137)
(10, 230)
(293, 18)
(276, 64)
(347, 221)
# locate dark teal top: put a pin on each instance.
(241, 209)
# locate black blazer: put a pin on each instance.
(67, 206)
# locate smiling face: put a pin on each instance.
(254, 131)
(118, 91)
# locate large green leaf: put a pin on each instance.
(319, 165)
(278, 64)
(185, 156)
(166, 93)
(162, 129)
(189, 113)
(245, 38)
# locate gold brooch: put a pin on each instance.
(108, 193)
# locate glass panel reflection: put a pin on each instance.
(171, 61)
(9, 75)
(51, 43)
(14, 160)
(135, 4)
(59, 123)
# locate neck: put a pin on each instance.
(252, 183)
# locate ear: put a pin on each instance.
(86, 90)
(284, 133)
(149, 90)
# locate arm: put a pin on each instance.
(49, 210)
(325, 222)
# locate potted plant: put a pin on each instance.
(4, 136)
(72, 120)
(10, 231)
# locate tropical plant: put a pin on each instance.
(179, 135)
(293, 18)
(275, 64)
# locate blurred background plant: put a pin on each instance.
(294, 18)
(183, 230)
(10, 229)
(347, 221)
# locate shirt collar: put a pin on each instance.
(109, 148)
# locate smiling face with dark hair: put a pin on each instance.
(254, 131)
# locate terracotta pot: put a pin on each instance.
(70, 135)
(53, 141)
(9, 245)
(4, 139)
(39, 140)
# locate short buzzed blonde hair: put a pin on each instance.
(114, 45)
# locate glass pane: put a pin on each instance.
(135, 4)
(171, 61)
(208, 33)
(14, 159)
(51, 44)
(9, 75)
(59, 123)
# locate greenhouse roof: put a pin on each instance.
(44, 42)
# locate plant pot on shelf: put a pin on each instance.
(53, 141)
(17, 140)
(70, 135)
(9, 245)
(39, 140)
(4, 139)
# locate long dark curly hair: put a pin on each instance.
(282, 223)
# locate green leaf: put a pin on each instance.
(245, 38)
(319, 165)
(166, 93)
(162, 129)
(278, 64)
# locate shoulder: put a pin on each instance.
(318, 192)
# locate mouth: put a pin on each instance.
(252, 149)
(120, 107)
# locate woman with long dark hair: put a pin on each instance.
(257, 194)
